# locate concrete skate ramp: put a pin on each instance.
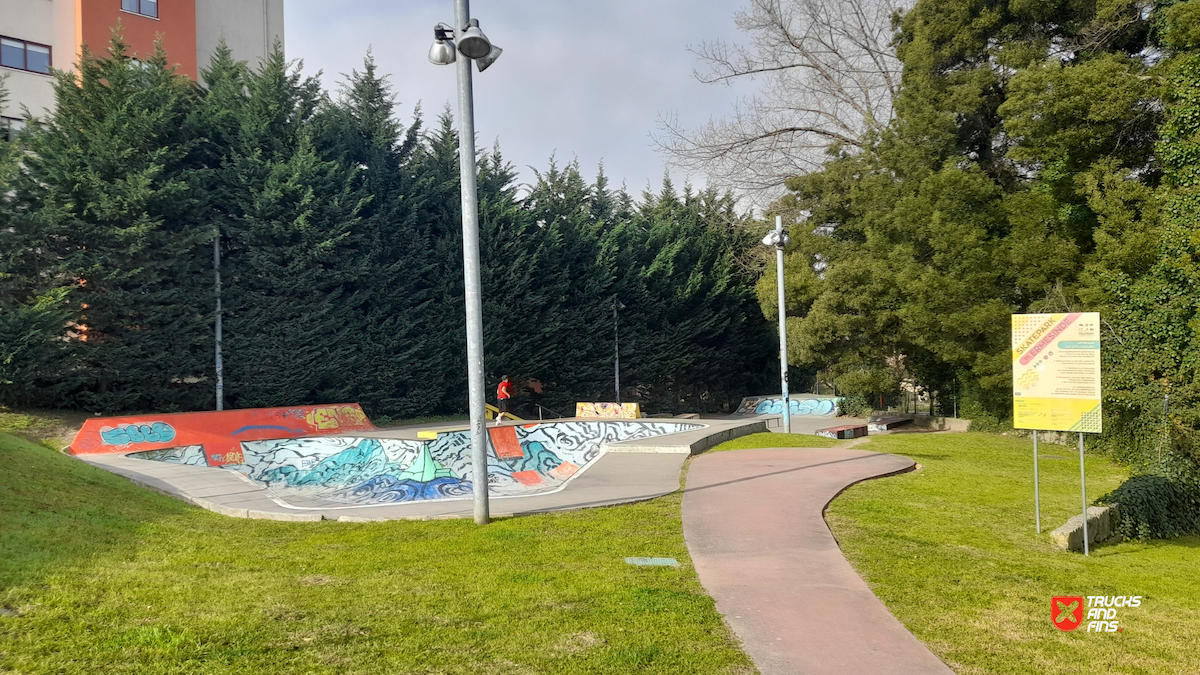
(801, 404)
(219, 433)
(523, 460)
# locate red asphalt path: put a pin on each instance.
(755, 530)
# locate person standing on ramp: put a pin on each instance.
(503, 398)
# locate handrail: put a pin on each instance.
(541, 407)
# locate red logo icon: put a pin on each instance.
(1066, 612)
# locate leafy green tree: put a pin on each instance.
(1154, 350)
(980, 199)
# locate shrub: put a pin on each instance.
(1155, 507)
(855, 405)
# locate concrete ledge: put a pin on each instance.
(289, 517)
(940, 423)
(221, 508)
(691, 442)
(843, 432)
(878, 423)
(1101, 521)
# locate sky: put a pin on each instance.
(586, 80)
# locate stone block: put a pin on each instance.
(1101, 526)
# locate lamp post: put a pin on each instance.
(473, 46)
(220, 367)
(616, 304)
(778, 238)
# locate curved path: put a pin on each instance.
(754, 525)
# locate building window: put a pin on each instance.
(24, 55)
(143, 7)
(10, 127)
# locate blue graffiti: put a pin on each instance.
(536, 458)
(807, 406)
(155, 432)
(345, 469)
(384, 489)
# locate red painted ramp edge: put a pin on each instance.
(221, 433)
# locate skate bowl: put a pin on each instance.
(342, 471)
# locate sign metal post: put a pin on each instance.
(1037, 498)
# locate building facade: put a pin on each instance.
(37, 35)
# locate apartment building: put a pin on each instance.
(36, 35)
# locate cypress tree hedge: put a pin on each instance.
(340, 237)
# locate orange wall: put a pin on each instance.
(176, 23)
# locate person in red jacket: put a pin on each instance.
(503, 396)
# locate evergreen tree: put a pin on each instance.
(399, 373)
(293, 262)
(109, 214)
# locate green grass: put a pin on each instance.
(100, 576)
(771, 440)
(951, 549)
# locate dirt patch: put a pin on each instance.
(56, 428)
(576, 643)
(321, 580)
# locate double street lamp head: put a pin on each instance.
(777, 239)
(472, 43)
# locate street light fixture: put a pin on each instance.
(473, 45)
(779, 239)
(442, 53)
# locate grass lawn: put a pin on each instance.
(99, 576)
(771, 440)
(951, 550)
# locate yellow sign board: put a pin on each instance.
(1056, 372)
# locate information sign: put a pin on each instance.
(1056, 372)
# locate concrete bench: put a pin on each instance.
(844, 431)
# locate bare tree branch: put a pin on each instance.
(829, 74)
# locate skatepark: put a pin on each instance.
(332, 463)
(749, 517)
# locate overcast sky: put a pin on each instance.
(577, 79)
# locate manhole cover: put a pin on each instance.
(663, 562)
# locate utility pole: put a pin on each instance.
(616, 304)
(220, 365)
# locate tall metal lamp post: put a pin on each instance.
(616, 304)
(466, 39)
(779, 239)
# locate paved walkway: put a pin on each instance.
(754, 525)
